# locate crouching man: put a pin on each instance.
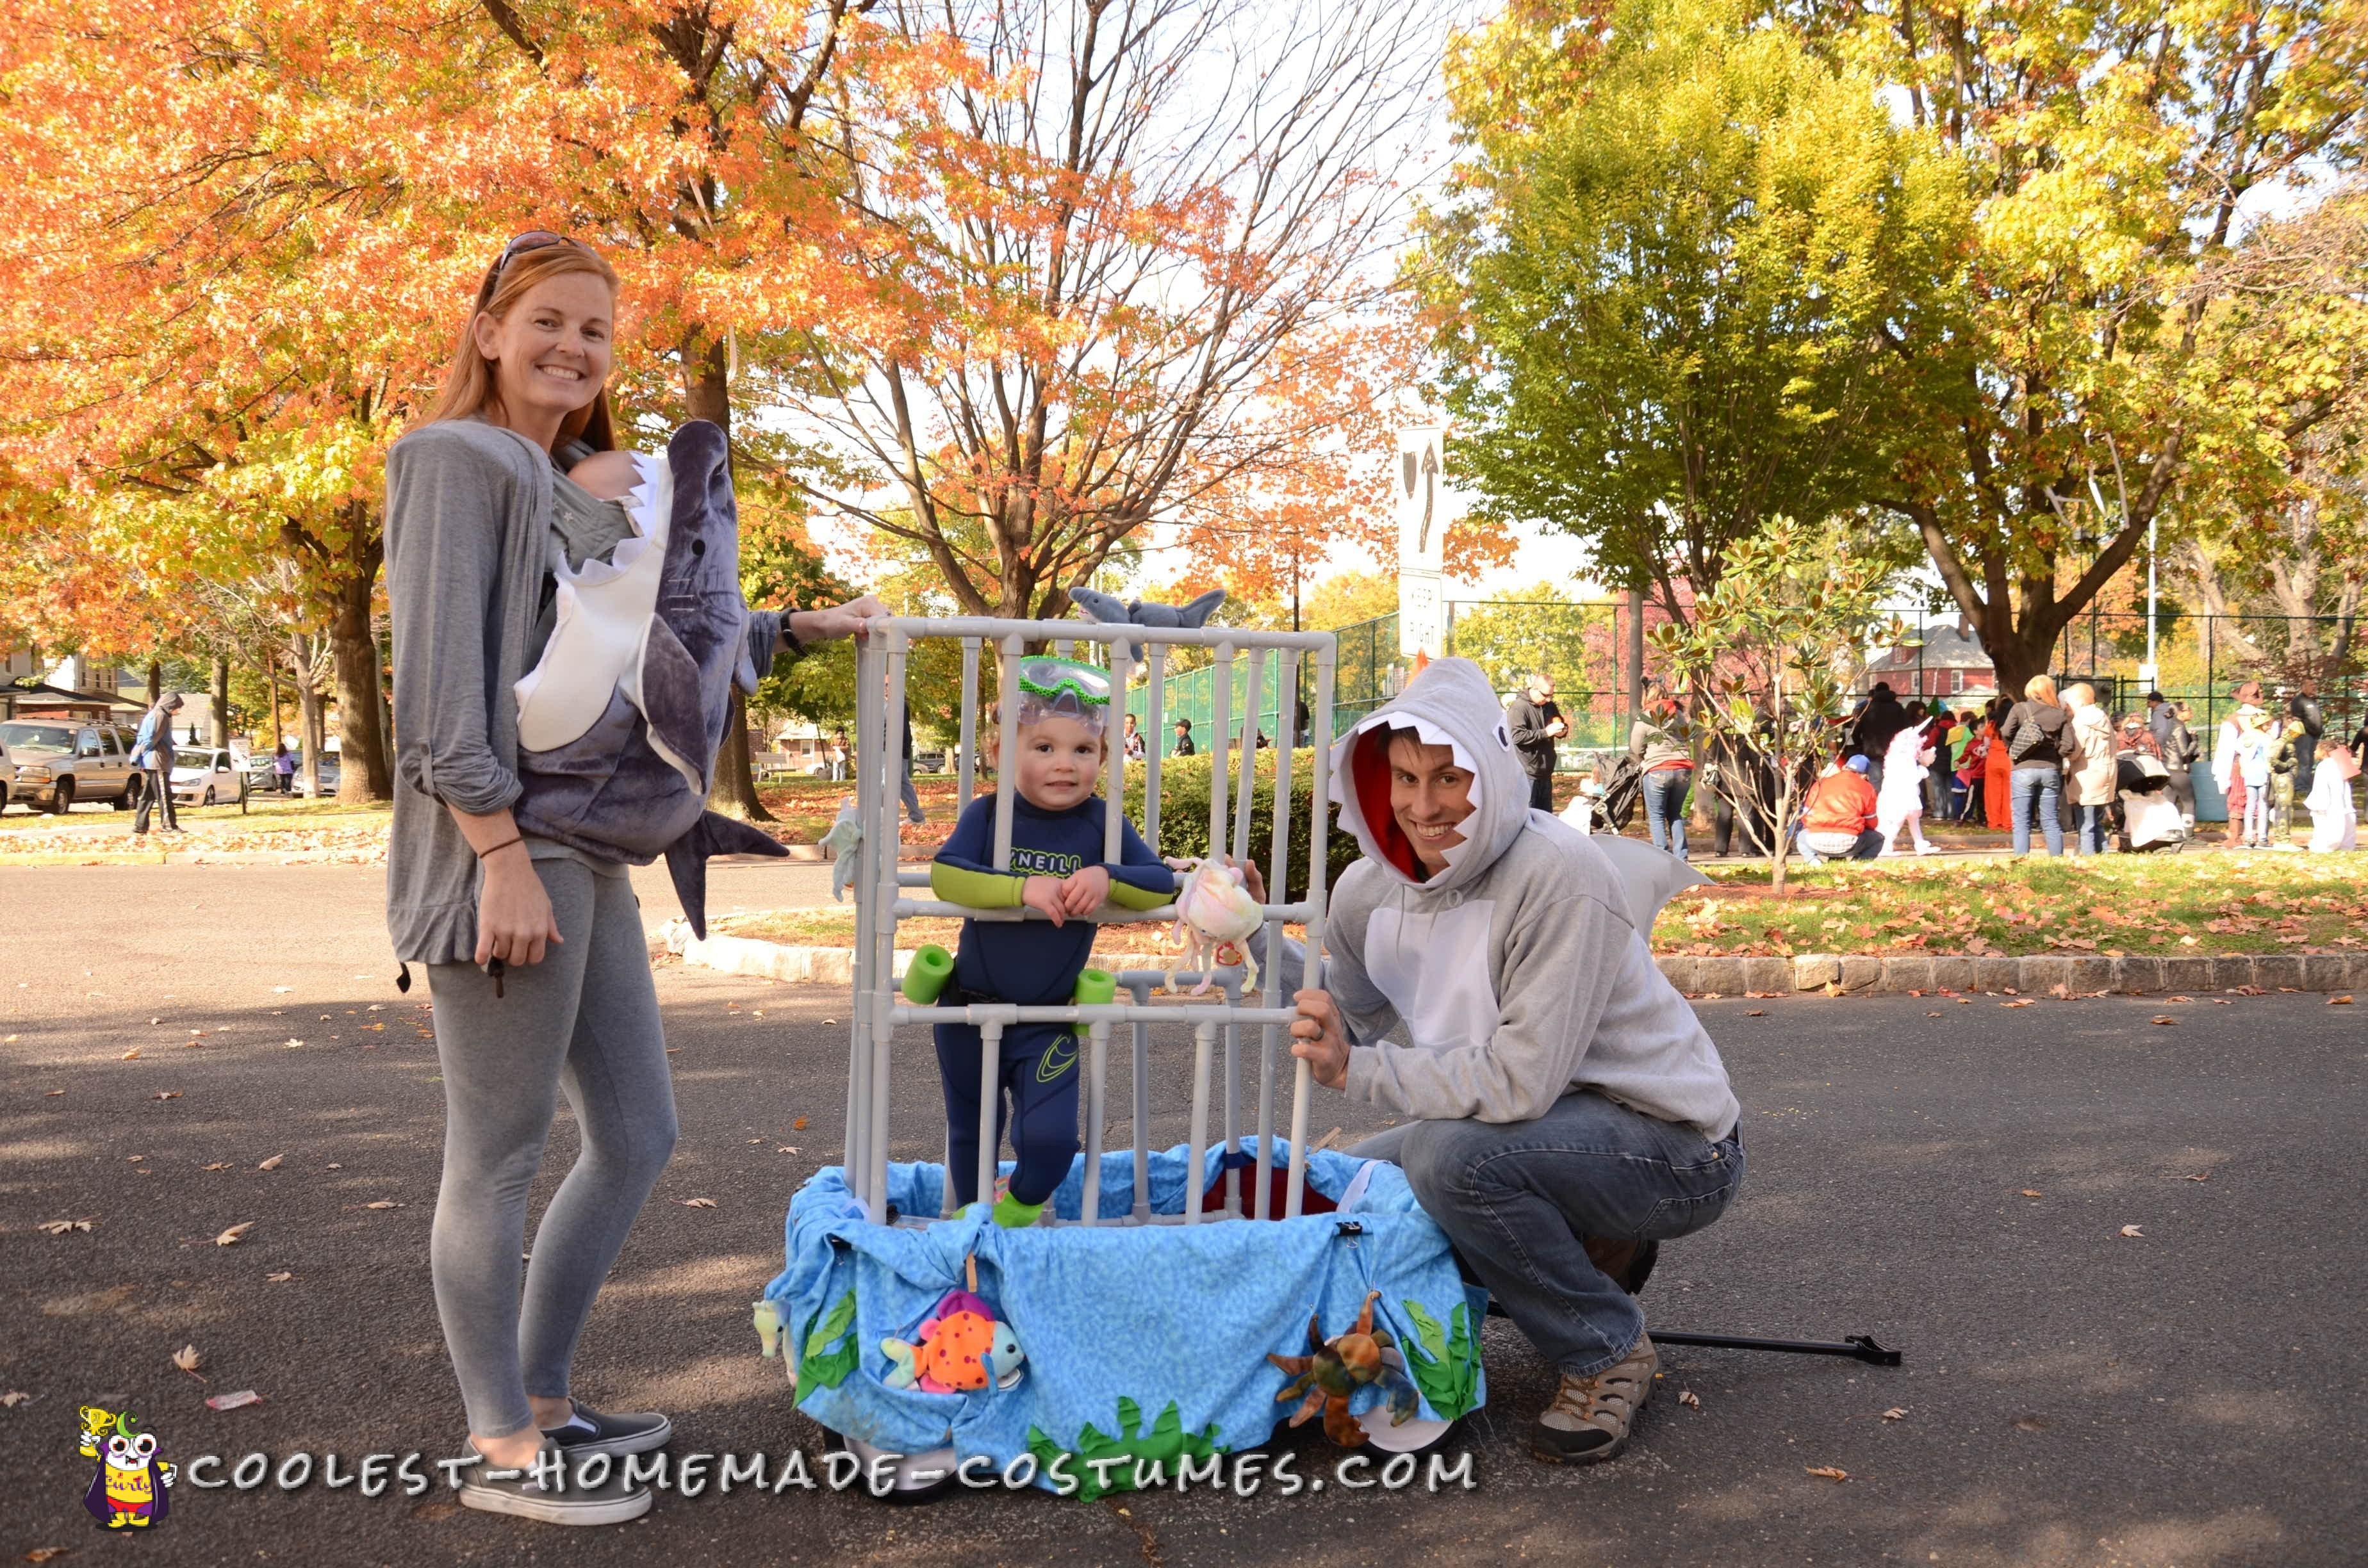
(1488, 976)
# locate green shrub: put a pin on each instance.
(1184, 815)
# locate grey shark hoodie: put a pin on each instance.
(1518, 973)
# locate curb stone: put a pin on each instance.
(1857, 974)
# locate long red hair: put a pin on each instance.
(471, 389)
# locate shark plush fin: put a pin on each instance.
(687, 859)
(1198, 612)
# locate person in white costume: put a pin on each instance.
(1900, 802)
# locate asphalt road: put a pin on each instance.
(1956, 1185)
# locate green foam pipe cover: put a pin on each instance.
(1096, 988)
(927, 974)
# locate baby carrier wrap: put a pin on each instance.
(631, 783)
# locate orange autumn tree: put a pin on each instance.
(231, 272)
(1120, 266)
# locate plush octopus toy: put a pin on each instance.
(1215, 918)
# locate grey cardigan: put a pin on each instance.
(468, 531)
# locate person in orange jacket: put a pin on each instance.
(1838, 815)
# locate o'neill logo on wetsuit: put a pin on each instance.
(1042, 862)
(1059, 1057)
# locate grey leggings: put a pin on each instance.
(585, 1020)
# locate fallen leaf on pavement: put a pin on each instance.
(799, 1125)
(382, 1203)
(234, 1401)
(1689, 1399)
(2332, 1002)
(44, 1554)
(696, 1202)
(2132, 1231)
(272, 1164)
(2025, 1003)
(1830, 1473)
(281, 990)
(1833, 987)
(1931, 1014)
(1896, 1412)
(2199, 1176)
(230, 1238)
(281, 1279)
(186, 1357)
(131, 1055)
(2031, 1192)
(59, 1227)
(14, 1398)
(167, 1095)
(2176, 999)
(294, 1044)
(2164, 1019)
(787, 1149)
(219, 1165)
(1757, 1013)
(133, 1159)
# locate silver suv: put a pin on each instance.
(59, 762)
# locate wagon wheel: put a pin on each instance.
(906, 1490)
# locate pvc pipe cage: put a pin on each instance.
(881, 663)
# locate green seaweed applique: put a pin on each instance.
(1163, 1445)
(1449, 1375)
(828, 1368)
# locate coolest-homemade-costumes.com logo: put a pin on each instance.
(133, 1488)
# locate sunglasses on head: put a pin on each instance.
(533, 239)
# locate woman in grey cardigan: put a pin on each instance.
(534, 949)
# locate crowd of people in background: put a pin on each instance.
(2054, 767)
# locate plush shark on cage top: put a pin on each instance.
(1103, 608)
(620, 720)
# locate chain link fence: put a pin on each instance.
(2200, 660)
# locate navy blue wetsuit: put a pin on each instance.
(1032, 964)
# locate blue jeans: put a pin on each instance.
(2039, 792)
(1665, 807)
(912, 796)
(2088, 837)
(1869, 845)
(1518, 1199)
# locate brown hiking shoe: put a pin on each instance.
(1591, 1416)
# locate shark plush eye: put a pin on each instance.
(144, 1446)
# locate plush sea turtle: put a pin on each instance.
(1338, 1368)
(960, 1349)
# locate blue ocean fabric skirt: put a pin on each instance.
(1142, 1340)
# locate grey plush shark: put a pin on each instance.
(1103, 608)
(634, 786)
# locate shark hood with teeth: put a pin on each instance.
(1450, 704)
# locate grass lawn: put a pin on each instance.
(271, 822)
(2116, 906)
(2161, 906)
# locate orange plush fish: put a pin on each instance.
(961, 1349)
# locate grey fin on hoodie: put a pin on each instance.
(687, 859)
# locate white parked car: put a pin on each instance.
(203, 776)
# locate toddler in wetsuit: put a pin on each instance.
(1055, 867)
